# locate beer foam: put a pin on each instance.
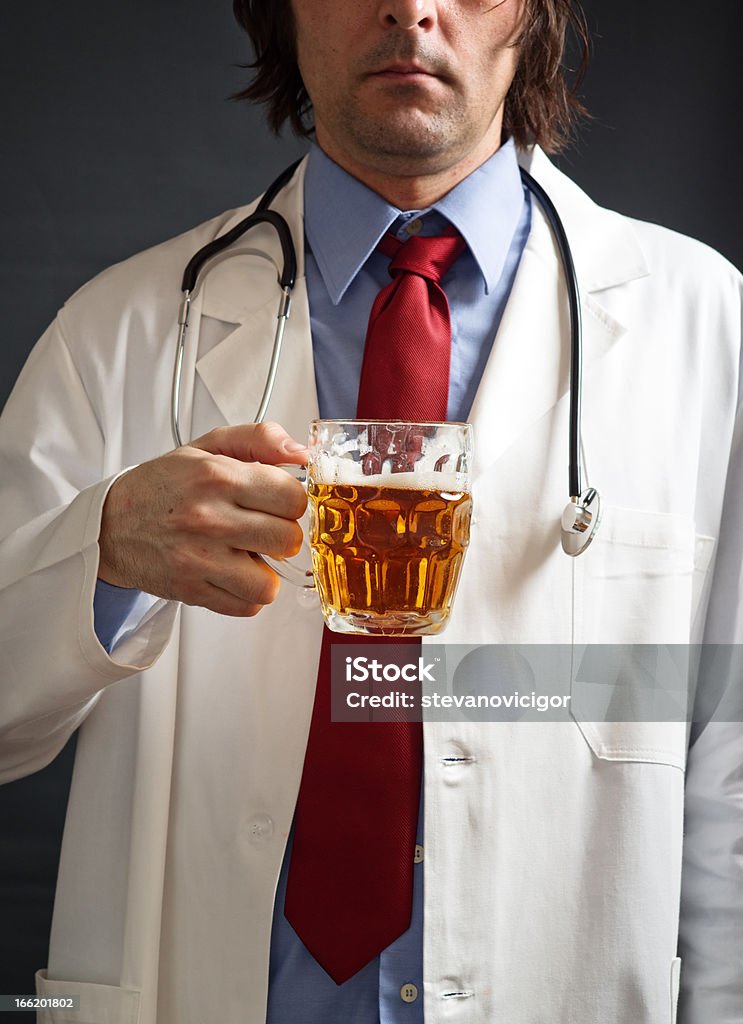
(327, 469)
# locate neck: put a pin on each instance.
(413, 188)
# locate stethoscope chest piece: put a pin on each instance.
(579, 522)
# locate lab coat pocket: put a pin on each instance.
(635, 590)
(99, 1004)
(635, 583)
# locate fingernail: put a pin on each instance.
(294, 446)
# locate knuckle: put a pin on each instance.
(190, 521)
(198, 518)
(213, 474)
(269, 430)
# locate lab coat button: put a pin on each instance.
(260, 829)
(418, 855)
(409, 993)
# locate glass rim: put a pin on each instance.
(392, 423)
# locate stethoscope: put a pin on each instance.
(582, 514)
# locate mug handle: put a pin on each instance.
(303, 578)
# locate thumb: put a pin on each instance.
(253, 442)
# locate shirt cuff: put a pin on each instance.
(117, 611)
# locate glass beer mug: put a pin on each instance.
(389, 511)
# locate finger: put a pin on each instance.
(246, 577)
(249, 530)
(254, 442)
(215, 599)
(267, 489)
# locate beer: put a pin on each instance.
(386, 557)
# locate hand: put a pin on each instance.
(185, 526)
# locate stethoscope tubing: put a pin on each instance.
(575, 488)
(584, 510)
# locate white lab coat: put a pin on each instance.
(553, 851)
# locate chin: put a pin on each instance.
(413, 137)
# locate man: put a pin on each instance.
(552, 853)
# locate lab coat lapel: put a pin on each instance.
(528, 369)
(243, 291)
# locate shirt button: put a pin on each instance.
(409, 993)
(418, 855)
(413, 228)
(260, 829)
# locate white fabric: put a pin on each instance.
(553, 852)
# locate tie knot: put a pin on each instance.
(428, 256)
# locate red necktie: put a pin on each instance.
(350, 887)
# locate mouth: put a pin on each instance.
(404, 72)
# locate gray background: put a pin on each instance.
(117, 134)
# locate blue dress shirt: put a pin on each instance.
(344, 221)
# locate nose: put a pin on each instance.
(408, 14)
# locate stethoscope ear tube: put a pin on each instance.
(261, 215)
(288, 254)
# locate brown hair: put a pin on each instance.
(542, 104)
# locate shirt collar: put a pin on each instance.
(344, 219)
